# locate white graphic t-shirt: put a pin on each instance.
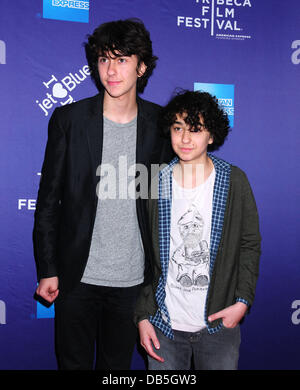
(188, 272)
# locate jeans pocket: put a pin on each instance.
(225, 327)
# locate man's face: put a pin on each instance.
(119, 75)
(189, 146)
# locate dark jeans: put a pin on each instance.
(96, 320)
(217, 351)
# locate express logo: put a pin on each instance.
(2, 52)
(220, 17)
(224, 93)
(74, 11)
(58, 91)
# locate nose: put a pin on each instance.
(111, 69)
(186, 136)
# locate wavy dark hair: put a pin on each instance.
(121, 38)
(192, 104)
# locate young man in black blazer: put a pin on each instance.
(91, 248)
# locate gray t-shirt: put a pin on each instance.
(116, 256)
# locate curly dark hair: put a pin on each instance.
(192, 104)
(121, 38)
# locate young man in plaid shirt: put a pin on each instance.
(206, 246)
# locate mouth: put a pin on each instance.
(112, 83)
(185, 150)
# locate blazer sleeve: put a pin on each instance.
(250, 249)
(47, 214)
(146, 304)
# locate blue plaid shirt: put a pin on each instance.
(161, 319)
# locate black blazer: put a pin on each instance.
(67, 201)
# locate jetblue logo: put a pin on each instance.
(2, 313)
(2, 52)
(58, 90)
(224, 93)
(73, 11)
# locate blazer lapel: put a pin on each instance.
(94, 131)
(141, 142)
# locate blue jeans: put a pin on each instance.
(200, 350)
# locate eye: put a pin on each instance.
(197, 129)
(122, 60)
(102, 60)
(177, 128)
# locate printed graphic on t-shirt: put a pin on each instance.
(192, 255)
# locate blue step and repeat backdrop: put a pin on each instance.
(246, 52)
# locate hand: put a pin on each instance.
(231, 315)
(148, 336)
(48, 288)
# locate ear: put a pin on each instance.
(141, 69)
(211, 140)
